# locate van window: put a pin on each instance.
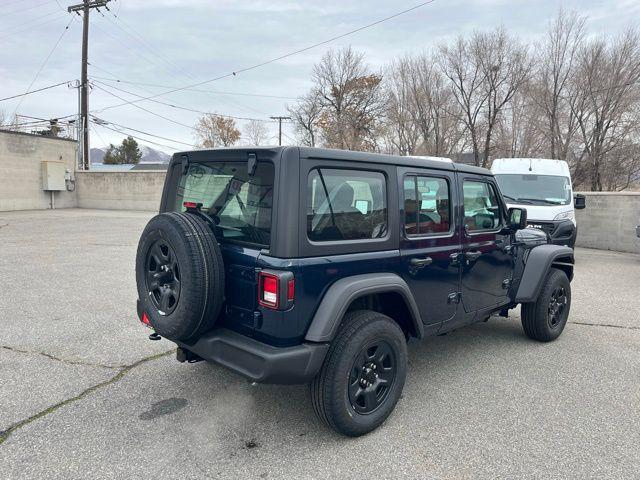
(346, 205)
(529, 189)
(242, 204)
(481, 207)
(427, 208)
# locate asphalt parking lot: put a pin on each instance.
(84, 394)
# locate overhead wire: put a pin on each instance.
(172, 105)
(46, 60)
(171, 70)
(100, 121)
(281, 57)
(118, 80)
(30, 92)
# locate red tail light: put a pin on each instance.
(276, 290)
(269, 291)
(145, 319)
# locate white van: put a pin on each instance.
(543, 187)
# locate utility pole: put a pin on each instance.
(280, 119)
(85, 7)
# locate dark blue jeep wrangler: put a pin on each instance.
(302, 265)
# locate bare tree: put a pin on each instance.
(467, 82)
(485, 72)
(606, 108)
(554, 75)
(403, 131)
(214, 131)
(256, 133)
(352, 98)
(306, 115)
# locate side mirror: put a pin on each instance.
(579, 201)
(517, 218)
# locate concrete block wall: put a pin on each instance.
(609, 221)
(21, 170)
(132, 190)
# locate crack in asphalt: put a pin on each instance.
(4, 434)
(605, 325)
(60, 359)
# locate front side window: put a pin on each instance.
(481, 207)
(346, 205)
(241, 204)
(427, 208)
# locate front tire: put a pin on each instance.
(363, 375)
(545, 319)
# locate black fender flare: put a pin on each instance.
(538, 263)
(339, 296)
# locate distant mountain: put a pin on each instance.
(149, 155)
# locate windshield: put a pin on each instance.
(241, 204)
(535, 189)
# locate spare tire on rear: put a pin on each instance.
(180, 275)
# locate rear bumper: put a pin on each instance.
(257, 361)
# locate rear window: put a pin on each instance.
(241, 204)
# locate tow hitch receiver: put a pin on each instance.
(183, 355)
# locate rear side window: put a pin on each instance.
(346, 204)
(481, 207)
(427, 209)
(241, 204)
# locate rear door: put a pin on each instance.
(242, 205)
(430, 242)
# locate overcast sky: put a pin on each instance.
(181, 42)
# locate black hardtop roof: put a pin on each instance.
(343, 155)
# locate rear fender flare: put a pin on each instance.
(539, 261)
(342, 293)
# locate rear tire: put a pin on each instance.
(179, 275)
(545, 319)
(363, 375)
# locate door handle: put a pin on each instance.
(472, 255)
(454, 258)
(420, 262)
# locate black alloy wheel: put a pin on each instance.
(557, 306)
(372, 376)
(163, 277)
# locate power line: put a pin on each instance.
(139, 138)
(117, 80)
(188, 109)
(30, 7)
(101, 121)
(29, 92)
(281, 57)
(18, 27)
(46, 60)
(143, 109)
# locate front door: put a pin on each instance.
(487, 265)
(430, 242)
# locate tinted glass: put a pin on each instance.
(427, 208)
(481, 208)
(241, 203)
(346, 205)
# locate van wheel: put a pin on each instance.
(545, 319)
(363, 375)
